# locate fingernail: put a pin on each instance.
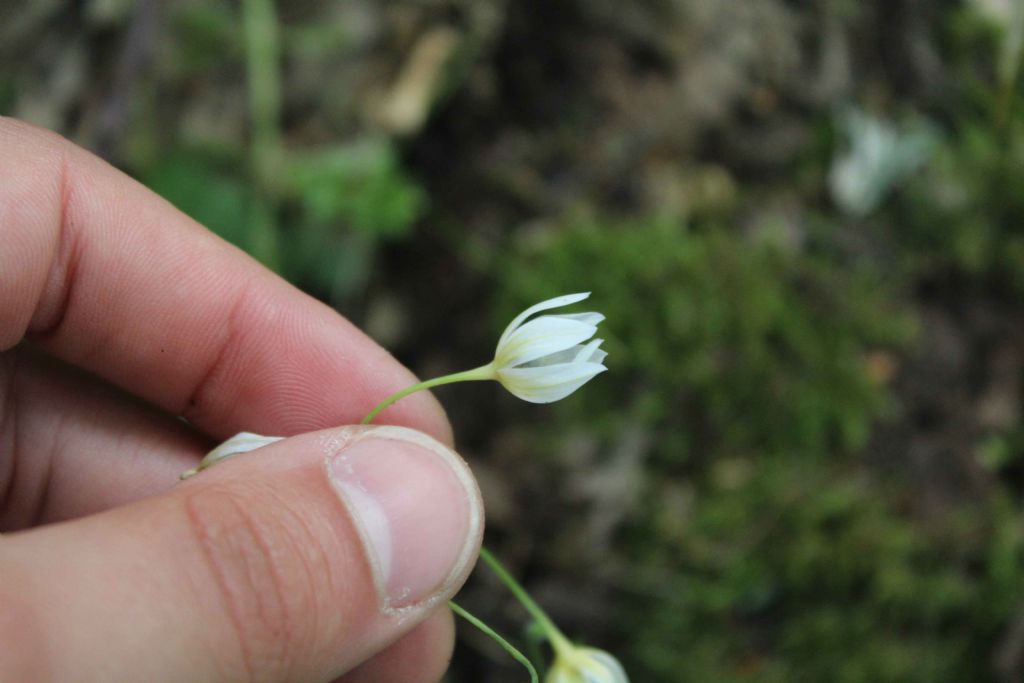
(416, 508)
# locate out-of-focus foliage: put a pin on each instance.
(778, 572)
(806, 460)
(362, 186)
(965, 214)
(744, 343)
(207, 190)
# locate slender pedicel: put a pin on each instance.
(496, 637)
(481, 373)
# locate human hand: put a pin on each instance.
(264, 568)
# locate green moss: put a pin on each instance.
(814, 573)
(757, 349)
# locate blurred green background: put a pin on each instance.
(804, 221)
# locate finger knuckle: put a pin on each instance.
(257, 556)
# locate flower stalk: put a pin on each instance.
(477, 374)
(496, 637)
(554, 635)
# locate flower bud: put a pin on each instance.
(549, 357)
(585, 665)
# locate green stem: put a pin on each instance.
(481, 373)
(261, 62)
(262, 59)
(508, 647)
(555, 636)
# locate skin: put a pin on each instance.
(118, 316)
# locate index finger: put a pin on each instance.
(100, 271)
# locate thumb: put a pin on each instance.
(295, 562)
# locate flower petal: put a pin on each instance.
(549, 383)
(243, 442)
(586, 665)
(581, 353)
(591, 353)
(590, 317)
(610, 671)
(541, 337)
(556, 302)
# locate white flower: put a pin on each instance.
(586, 665)
(243, 442)
(547, 358)
(880, 155)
